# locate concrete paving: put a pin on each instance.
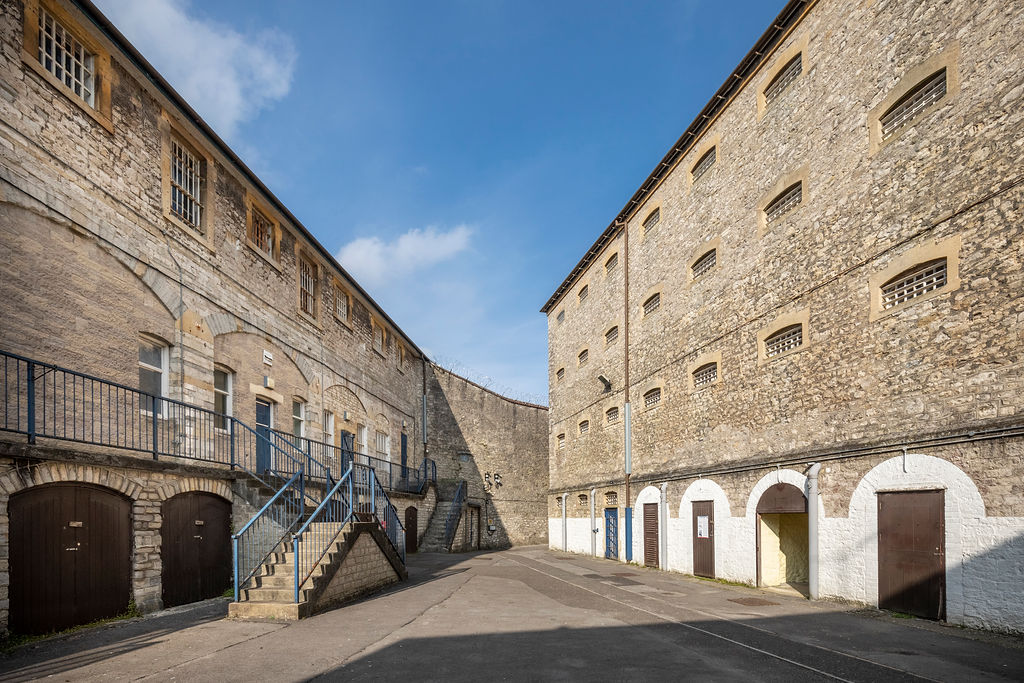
(531, 614)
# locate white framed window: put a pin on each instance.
(383, 446)
(582, 358)
(560, 375)
(704, 264)
(329, 437)
(652, 398)
(341, 305)
(561, 441)
(704, 164)
(153, 372)
(901, 114)
(705, 375)
(611, 335)
(584, 426)
(610, 264)
(361, 446)
(186, 185)
(915, 282)
(223, 384)
(652, 304)
(612, 415)
(61, 54)
(307, 286)
(786, 76)
(652, 220)
(298, 417)
(786, 339)
(784, 203)
(584, 291)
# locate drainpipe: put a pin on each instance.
(628, 427)
(663, 536)
(593, 524)
(812, 529)
(565, 524)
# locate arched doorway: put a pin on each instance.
(782, 548)
(195, 548)
(70, 556)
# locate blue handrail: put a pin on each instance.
(310, 544)
(254, 543)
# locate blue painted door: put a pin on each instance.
(611, 533)
(263, 429)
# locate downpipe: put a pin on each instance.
(812, 529)
(593, 524)
(663, 535)
(565, 525)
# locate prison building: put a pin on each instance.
(807, 318)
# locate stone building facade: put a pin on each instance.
(824, 296)
(137, 248)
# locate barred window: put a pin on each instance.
(341, 303)
(704, 163)
(929, 91)
(652, 220)
(307, 286)
(612, 415)
(611, 498)
(783, 204)
(787, 75)
(66, 58)
(704, 264)
(584, 426)
(786, 339)
(561, 441)
(705, 374)
(652, 398)
(611, 335)
(915, 282)
(186, 185)
(261, 232)
(652, 304)
(560, 375)
(583, 357)
(610, 264)
(584, 291)
(379, 337)
(583, 499)
(561, 316)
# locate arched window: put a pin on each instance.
(584, 291)
(583, 357)
(704, 264)
(584, 426)
(652, 303)
(704, 375)
(652, 220)
(610, 264)
(611, 335)
(786, 339)
(704, 164)
(652, 398)
(784, 203)
(914, 282)
(925, 93)
(785, 77)
(612, 415)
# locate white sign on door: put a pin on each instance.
(702, 526)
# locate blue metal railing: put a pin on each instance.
(387, 516)
(263, 534)
(315, 537)
(451, 523)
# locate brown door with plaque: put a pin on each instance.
(70, 556)
(411, 542)
(704, 538)
(650, 534)
(195, 547)
(912, 553)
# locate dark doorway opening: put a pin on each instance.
(195, 548)
(912, 553)
(704, 538)
(651, 534)
(411, 529)
(782, 539)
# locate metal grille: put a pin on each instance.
(652, 304)
(561, 441)
(704, 163)
(705, 374)
(561, 316)
(913, 283)
(611, 335)
(583, 357)
(612, 415)
(652, 398)
(652, 220)
(788, 74)
(340, 303)
(307, 286)
(584, 426)
(560, 374)
(186, 185)
(784, 340)
(900, 114)
(782, 204)
(610, 264)
(704, 263)
(66, 58)
(261, 233)
(584, 290)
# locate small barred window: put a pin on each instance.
(787, 75)
(62, 55)
(705, 374)
(583, 357)
(583, 499)
(612, 415)
(786, 339)
(186, 185)
(610, 264)
(561, 441)
(913, 283)
(704, 264)
(704, 163)
(261, 233)
(584, 426)
(929, 91)
(652, 220)
(584, 291)
(611, 498)
(561, 316)
(611, 335)
(652, 304)
(307, 286)
(652, 398)
(560, 374)
(783, 204)
(340, 303)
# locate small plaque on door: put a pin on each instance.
(200, 522)
(77, 525)
(702, 526)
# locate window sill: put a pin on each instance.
(309, 319)
(765, 360)
(263, 255)
(190, 230)
(344, 322)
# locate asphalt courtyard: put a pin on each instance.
(536, 615)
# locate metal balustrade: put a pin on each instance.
(315, 537)
(264, 533)
(451, 523)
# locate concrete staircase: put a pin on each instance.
(433, 538)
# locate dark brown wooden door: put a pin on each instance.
(912, 553)
(704, 538)
(411, 542)
(195, 547)
(70, 556)
(651, 534)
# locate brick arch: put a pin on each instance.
(52, 472)
(194, 485)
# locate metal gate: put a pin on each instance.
(611, 533)
(650, 534)
(195, 548)
(704, 538)
(411, 529)
(70, 556)
(912, 553)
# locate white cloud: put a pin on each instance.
(227, 76)
(372, 260)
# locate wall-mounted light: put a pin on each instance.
(606, 382)
(346, 416)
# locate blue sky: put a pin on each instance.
(458, 157)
